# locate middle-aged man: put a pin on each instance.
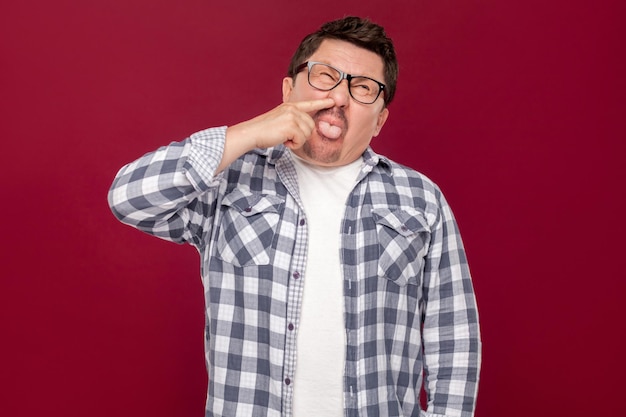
(335, 279)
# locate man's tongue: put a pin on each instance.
(328, 130)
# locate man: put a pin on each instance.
(334, 278)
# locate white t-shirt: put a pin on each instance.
(321, 337)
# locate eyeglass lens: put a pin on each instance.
(325, 77)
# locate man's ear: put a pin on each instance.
(287, 88)
(382, 118)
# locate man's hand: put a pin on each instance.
(289, 123)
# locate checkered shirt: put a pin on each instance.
(409, 306)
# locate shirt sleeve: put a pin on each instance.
(451, 334)
(170, 192)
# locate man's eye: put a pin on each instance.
(328, 75)
(365, 88)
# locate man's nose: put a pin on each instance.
(341, 94)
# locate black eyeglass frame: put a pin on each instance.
(342, 76)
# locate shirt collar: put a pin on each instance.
(370, 158)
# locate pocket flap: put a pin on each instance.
(406, 222)
(249, 204)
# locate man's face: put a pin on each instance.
(344, 131)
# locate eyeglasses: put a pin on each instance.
(326, 77)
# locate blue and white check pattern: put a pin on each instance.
(410, 310)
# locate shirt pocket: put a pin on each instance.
(403, 241)
(248, 227)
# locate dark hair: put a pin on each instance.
(360, 32)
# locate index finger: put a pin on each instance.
(314, 105)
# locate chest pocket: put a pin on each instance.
(248, 227)
(403, 241)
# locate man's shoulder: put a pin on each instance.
(405, 176)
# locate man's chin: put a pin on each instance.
(319, 155)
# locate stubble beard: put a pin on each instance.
(322, 152)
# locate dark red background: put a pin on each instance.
(515, 108)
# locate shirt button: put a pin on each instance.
(291, 326)
(404, 228)
(287, 381)
(296, 275)
(248, 209)
(302, 221)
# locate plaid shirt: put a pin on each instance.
(408, 299)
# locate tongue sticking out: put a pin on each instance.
(328, 130)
